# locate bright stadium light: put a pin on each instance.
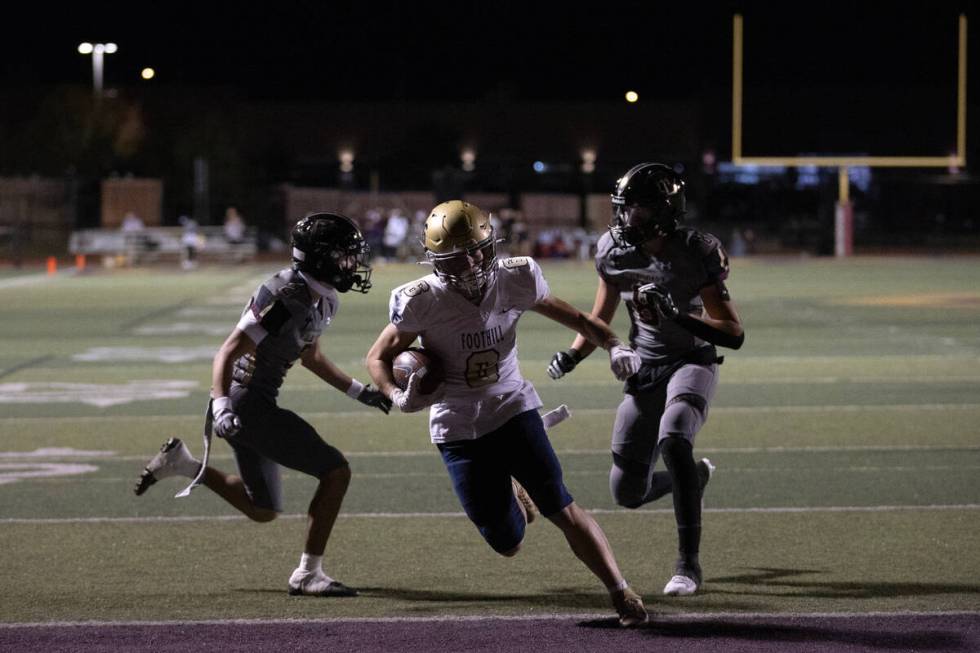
(632, 96)
(346, 158)
(148, 73)
(468, 158)
(588, 161)
(97, 50)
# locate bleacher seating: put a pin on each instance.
(161, 244)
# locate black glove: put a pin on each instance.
(653, 296)
(371, 396)
(563, 362)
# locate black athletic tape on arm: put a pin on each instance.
(275, 318)
(709, 333)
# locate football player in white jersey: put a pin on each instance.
(672, 279)
(283, 322)
(484, 417)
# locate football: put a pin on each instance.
(420, 361)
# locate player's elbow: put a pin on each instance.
(736, 339)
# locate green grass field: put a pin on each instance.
(845, 433)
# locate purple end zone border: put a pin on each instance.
(878, 633)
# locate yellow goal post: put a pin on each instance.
(844, 217)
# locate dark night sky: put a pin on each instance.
(420, 50)
(862, 56)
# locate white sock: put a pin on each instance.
(311, 563)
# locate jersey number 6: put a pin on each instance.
(482, 368)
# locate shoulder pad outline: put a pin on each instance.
(515, 262)
(416, 288)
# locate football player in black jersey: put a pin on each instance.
(672, 279)
(281, 324)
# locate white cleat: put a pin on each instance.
(316, 583)
(681, 586)
(174, 459)
(705, 471)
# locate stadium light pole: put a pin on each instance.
(98, 51)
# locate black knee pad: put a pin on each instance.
(628, 481)
(630, 467)
(697, 401)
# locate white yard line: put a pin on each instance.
(431, 452)
(660, 617)
(63, 480)
(419, 515)
(848, 408)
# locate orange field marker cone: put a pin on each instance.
(52, 266)
(79, 262)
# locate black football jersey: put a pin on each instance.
(283, 318)
(689, 261)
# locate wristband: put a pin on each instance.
(220, 404)
(355, 389)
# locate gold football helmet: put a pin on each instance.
(460, 243)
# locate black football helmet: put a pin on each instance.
(330, 248)
(648, 202)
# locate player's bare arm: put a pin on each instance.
(594, 331)
(624, 362)
(718, 323)
(389, 344)
(720, 313)
(237, 344)
(604, 308)
(312, 358)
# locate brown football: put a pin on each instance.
(420, 361)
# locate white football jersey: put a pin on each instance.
(476, 344)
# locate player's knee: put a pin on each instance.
(337, 479)
(628, 482)
(682, 416)
(510, 553)
(505, 538)
(263, 515)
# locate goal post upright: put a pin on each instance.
(843, 223)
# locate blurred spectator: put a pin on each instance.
(737, 246)
(135, 238)
(395, 232)
(514, 232)
(234, 226)
(413, 243)
(190, 241)
(550, 243)
(373, 230)
(742, 242)
(132, 223)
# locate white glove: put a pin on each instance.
(624, 362)
(224, 419)
(410, 400)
